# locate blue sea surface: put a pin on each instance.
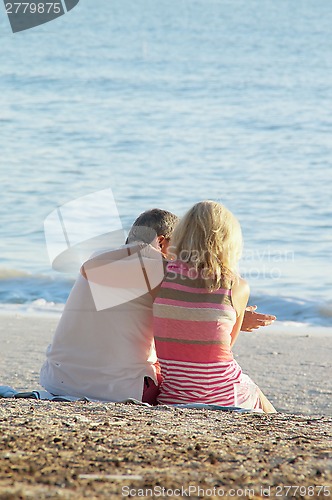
(168, 103)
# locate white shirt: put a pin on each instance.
(105, 354)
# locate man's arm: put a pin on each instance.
(253, 320)
(127, 268)
(107, 257)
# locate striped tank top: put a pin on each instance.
(192, 330)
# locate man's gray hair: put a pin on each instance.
(152, 223)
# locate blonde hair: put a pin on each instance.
(209, 238)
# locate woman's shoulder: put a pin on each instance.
(240, 293)
(240, 286)
(239, 283)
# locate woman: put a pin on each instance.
(199, 311)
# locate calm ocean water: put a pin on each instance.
(167, 103)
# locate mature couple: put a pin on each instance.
(172, 342)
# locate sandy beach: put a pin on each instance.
(98, 450)
(292, 365)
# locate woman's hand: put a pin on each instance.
(253, 320)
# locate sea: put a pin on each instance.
(163, 104)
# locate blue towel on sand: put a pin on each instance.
(9, 392)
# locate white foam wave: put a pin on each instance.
(38, 307)
(6, 274)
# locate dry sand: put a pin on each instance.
(98, 450)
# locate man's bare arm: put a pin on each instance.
(253, 320)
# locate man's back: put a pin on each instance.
(102, 354)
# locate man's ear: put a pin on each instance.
(161, 240)
(163, 244)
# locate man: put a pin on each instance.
(103, 347)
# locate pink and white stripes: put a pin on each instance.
(192, 329)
